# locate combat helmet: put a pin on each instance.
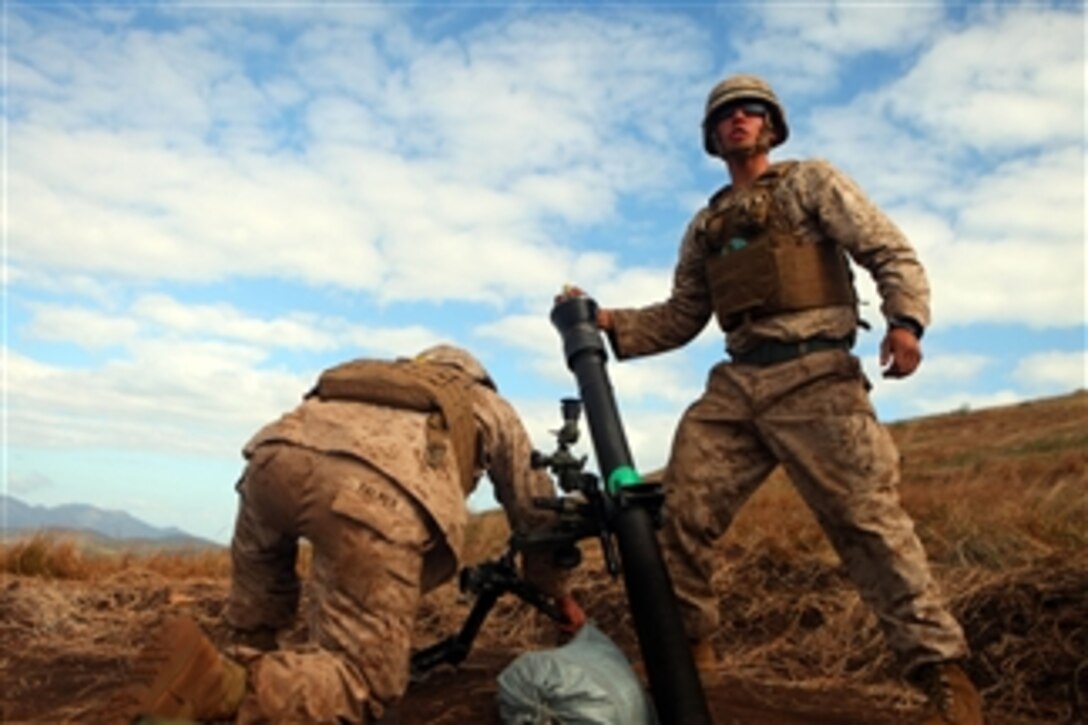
(457, 357)
(743, 87)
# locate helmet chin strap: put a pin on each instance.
(742, 152)
(763, 144)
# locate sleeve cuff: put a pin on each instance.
(907, 323)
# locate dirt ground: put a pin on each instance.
(66, 646)
(471, 690)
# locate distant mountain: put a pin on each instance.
(19, 518)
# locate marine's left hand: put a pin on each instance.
(900, 353)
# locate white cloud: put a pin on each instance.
(934, 404)
(1053, 371)
(804, 47)
(190, 378)
(532, 334)
(1002, 236)
(1037, 199)
(87, 328)
(85, 287)
(926, 229)
(183, 397)
(964, 90)
(632, 286)
(298, 331)
(363, 341)
(495, 155)
(154, 214)
(154, 318)
(1008, 282)
(649, 436)
(338, 56)
(670, 379)
(551, 90)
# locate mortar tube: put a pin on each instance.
(674, 681)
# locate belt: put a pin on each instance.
(773, 352)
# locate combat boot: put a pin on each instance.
(180, 674)
(953, 699)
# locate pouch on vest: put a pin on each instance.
(766, 277)
(757, 265)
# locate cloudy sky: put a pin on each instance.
(207, 203)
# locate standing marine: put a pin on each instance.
(768, 257)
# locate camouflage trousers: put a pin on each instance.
(368, 539)
(813, 416)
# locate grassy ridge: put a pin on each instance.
(993, 489)
(55, 555)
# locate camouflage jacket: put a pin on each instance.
(821, 203)
(394, 442)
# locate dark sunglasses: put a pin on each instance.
(748, 108)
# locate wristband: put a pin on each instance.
(907, 323)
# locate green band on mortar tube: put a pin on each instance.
(623, 476)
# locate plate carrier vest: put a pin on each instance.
(442, 391)
(757, 266)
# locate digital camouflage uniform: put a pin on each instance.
(811, 414)
(386, 524)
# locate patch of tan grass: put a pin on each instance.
(44, 556)
(210, 564)
(52, 556)
(486, 536)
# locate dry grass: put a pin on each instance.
(45, 556)
(1000, 501)
(67, 557)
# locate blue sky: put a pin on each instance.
(207, 203)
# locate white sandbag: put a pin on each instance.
(587, 681)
